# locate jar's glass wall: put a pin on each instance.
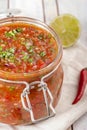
(11, 106)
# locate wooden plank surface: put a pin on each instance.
(3, 4)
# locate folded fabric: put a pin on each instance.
(66, 113)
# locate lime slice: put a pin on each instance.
(67, 27)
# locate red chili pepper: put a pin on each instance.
(82, 85)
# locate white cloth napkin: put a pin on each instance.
(74, 59)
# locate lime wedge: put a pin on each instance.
(67, 27)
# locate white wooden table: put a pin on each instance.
(77, 8)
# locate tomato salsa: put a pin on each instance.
(25, 47)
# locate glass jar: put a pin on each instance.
(26, 98)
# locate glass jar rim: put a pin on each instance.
(40, 24)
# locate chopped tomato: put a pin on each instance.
(41, 64)
(25, 47)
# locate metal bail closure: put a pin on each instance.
(49, 107)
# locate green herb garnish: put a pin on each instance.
(12, 88)
(42, 54)
(12, 50)
(19, 30)
(0, 48)
(49, 36)
(30, 49)
(9, 34)
(25, 57)
(41, 36)
(30, 60)
(13, 32)
(7, 54)
(12, 59)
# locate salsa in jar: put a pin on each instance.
(25, 48)
(29, 52)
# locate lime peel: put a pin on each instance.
(67, 27)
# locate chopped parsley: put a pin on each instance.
(7, 55)
(42, 54)
(25, 48)
(49, 36)
(9, 34)
(19, 30)
(30, 49)
(25, 57)
(30, 60)
(40, 36)
(0, 48)
(12, 88)
(12, 50)
(13, 32)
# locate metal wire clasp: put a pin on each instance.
(46, 92)
(25, 96)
